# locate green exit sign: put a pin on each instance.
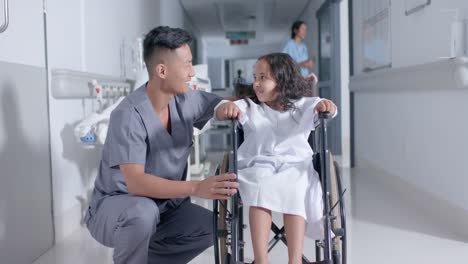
(240, 34)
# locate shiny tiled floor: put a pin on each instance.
(384, 227)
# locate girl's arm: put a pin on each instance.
(326, 105)
(228, 110)
(311, 106)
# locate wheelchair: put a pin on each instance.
(228, 215)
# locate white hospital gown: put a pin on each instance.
(275, 168)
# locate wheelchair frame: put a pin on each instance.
(228, 225)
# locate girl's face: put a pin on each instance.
(264, 83)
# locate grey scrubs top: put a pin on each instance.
(136, 135)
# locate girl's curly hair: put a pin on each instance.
(290, 84)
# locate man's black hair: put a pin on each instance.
(164, 37)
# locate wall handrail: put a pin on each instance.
(4, 25)
(417, 8)
(444, 74)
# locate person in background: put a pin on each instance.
(239, 79)
(296, 48)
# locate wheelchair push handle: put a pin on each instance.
(235, 142)
(235, 123)
(325, 115)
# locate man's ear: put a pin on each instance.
(161, 71)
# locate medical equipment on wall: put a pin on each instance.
(105, 92)
(69, 84)
(108, 94)
(93, 129)
(200, 80)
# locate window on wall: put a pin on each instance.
(376, 35)
(325, 46)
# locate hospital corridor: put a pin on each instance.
(103, 101)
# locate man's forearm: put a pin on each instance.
(152, 186)
(231, 98)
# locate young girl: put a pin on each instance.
(275, 161)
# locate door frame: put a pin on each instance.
(332, 6)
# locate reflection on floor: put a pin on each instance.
(388, 222)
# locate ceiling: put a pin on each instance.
(215, 17)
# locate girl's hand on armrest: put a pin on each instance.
(227, 111)
(325, 106)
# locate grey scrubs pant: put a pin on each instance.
(139, 234)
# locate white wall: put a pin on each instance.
(88, 36)
(26, 34)
(26, 229)
(419, 38)
(344, 110)
(426, 146)
(405, 126)
(172, 13)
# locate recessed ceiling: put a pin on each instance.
(213, 18)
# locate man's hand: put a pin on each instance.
(325, 106)
(231, 98)
(217, 187)
(228, 110)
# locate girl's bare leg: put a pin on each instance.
(295, 228)
(260, 223)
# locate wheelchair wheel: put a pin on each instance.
(337, 216)
(338, 220)
(220, 232)
(220, 222)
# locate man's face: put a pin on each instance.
(180, 70)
